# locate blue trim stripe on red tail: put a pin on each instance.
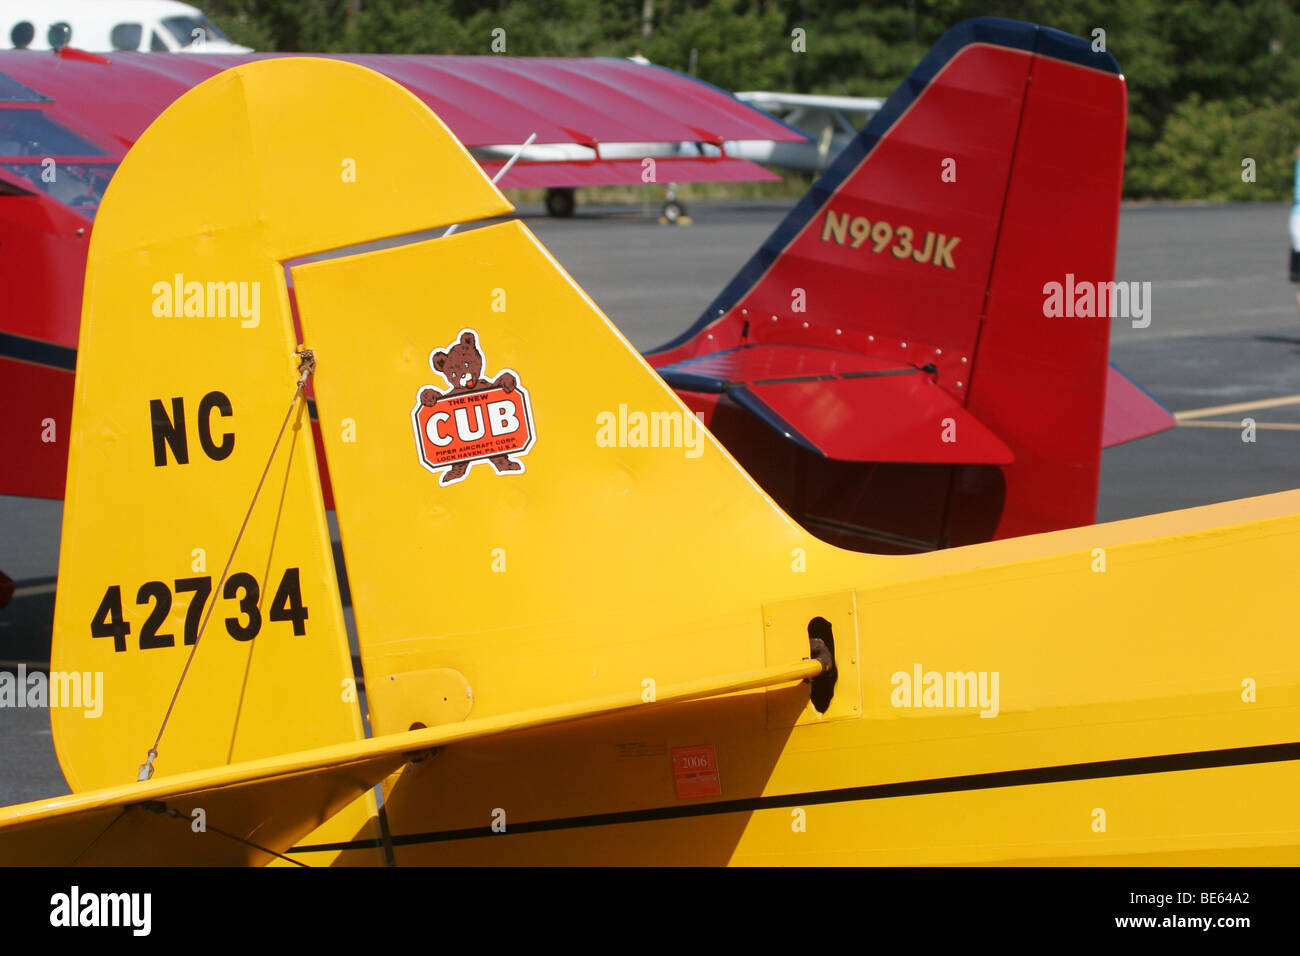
(20, 348)
(990, 30)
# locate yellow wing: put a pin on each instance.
(253, 812)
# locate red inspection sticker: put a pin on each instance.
(695, 772)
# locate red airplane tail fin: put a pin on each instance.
(902, 315)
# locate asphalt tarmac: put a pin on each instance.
(1224, 337)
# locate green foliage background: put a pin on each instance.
(1210, 82)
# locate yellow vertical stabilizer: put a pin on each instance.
(605, 556)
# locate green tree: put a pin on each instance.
(1201, 151)
(736, 45)
(1207, 79)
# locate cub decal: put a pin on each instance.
(476, 419)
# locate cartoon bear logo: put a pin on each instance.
(475, 420)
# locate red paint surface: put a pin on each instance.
(484, 100)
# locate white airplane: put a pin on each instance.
(826, 119)
(108, 26)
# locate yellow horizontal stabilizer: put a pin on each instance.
(249, 813)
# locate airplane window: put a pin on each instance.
(126, 36)
(79, 185)
(156, 44)
(32, 133)
(58, 35)
(182, 28)
(22, 35)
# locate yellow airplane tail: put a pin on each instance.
(500, 435)
(190, 620)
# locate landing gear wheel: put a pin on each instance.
(560, 203)
(673, 211)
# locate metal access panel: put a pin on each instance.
(786, 629)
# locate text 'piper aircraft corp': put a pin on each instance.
(584, 650)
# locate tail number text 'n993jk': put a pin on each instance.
(853, 231)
